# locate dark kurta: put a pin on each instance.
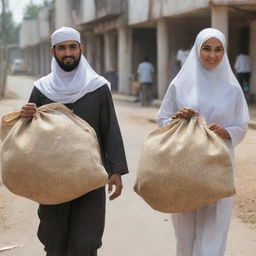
(75, 228)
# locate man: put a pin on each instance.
(243, 70)
(75, 228)
(146, 73)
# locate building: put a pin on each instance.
(118, 33)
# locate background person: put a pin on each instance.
(146, 76)
(243, 70)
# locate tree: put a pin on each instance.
(32, 9)
(11, 28)
(3, 51)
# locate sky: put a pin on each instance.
(17, 7)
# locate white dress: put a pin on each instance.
(217, 96)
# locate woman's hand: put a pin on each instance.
(222, 132)
(185, 113)
(28, 110)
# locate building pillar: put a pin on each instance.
(48, 54)
(34, 61)
(63, 13)
(253, 56)
(89, 49)
(219, 19)
(124, 59)
(163, 53)
(98, 54)
(110, 52)
(41, 61)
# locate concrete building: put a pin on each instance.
(35, 41)
(118, 33)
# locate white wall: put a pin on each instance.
(233, 2)
(43, 24)
(144, 10)
(29, 33)
(138, 11)
(173, 7)
(63, 14)
(88, 12)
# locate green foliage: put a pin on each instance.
(32, 10)
(11, 27)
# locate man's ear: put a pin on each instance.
(53, 52)
(82, 48)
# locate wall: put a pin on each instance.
(43, 24)
(174, 7)
(138, 11)
(63, 14)
(29, 33)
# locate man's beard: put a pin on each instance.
(68, 67)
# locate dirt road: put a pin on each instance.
(132, 227)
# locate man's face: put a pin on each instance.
(67, 54)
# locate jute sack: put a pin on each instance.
(51, 158)
(184, 166)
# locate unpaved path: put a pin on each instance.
(132, 227)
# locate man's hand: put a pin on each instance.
(185, 113)
(220, 131)
(28, 110)
(115, 180)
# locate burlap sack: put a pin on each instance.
(51, 158)
(184, 166)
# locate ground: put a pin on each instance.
(245, 201)
(132, 227)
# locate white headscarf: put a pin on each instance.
(68, 87)
(215, 94)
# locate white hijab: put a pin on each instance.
(215, 94)
(68, 87)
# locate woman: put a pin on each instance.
(206, 86)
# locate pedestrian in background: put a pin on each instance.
(75, 228)
(181, 56)
(206, 86)
(243, 70)
(146, 77)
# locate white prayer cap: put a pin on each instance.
(64, 34)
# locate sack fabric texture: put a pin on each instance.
(51, 158)
(184, 166)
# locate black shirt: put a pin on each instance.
(97, 109)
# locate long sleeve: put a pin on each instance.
(237, 133)
(168, 107)
(238, 130)
(36, 97)
(111, 137)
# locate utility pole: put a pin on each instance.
(3, 64)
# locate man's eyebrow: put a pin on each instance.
(64, 45)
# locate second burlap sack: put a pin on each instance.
(184, 166)
(51, 158)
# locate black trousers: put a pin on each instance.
(74, 228)
(244, 78)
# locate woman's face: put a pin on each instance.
(211, 53)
